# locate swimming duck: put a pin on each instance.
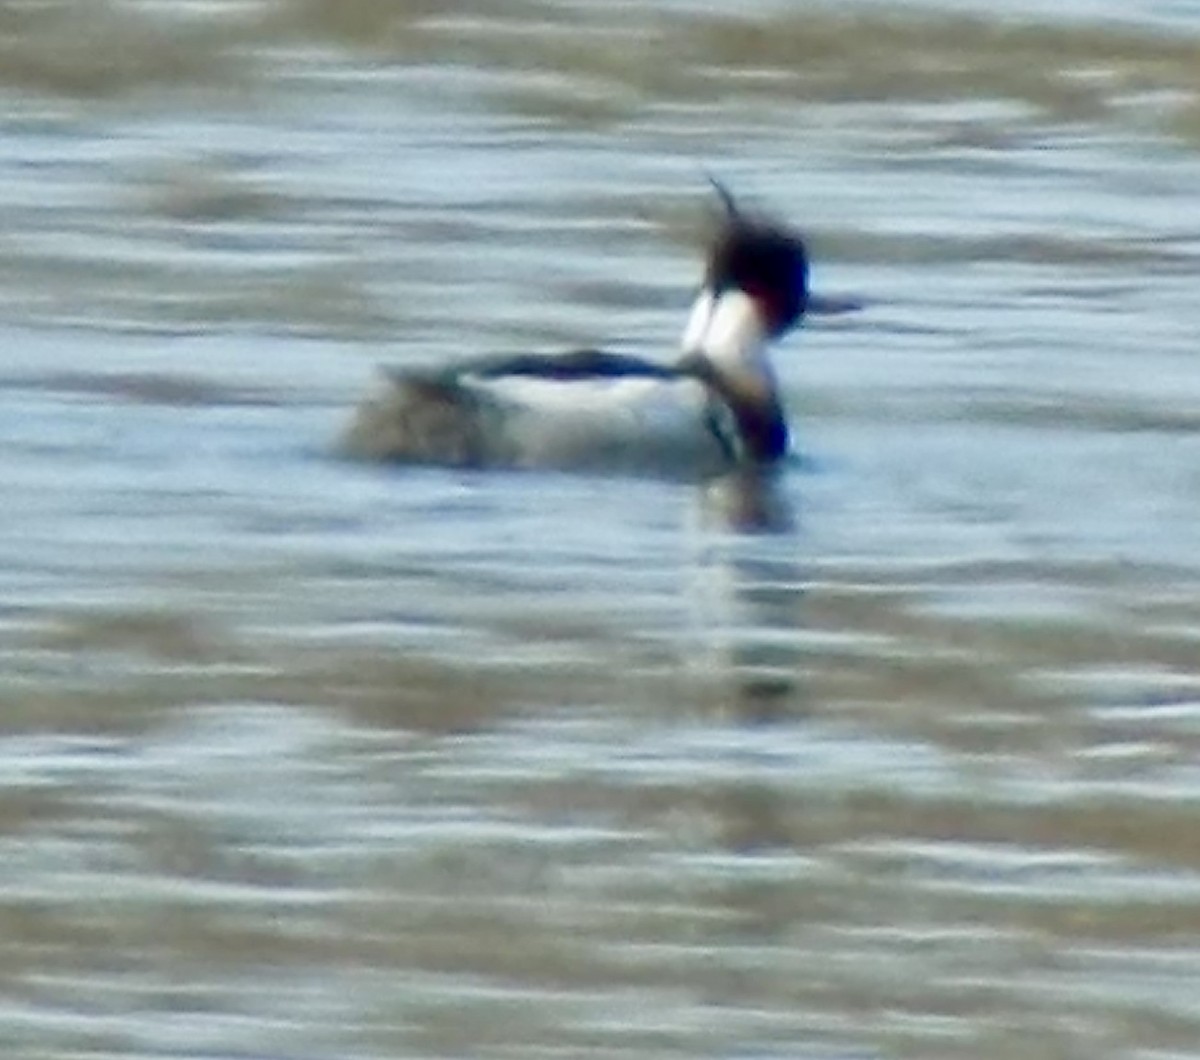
(713, 407)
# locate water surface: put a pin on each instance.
(302, 758)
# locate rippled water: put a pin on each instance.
(303, 758)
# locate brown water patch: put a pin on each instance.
(1009, 408)
(580, 70)
(159, 658)
(326, 298)
(329, 298)
(1072, 70)
(393, 26)
(206, 191)
(1184, 122)
(586, 892)
(969, 684)
(153, 635)
(153, 388)
(99, 49)
(1031, 248)
(1076, 413)
(584, 72)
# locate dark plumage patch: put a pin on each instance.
(579, 366)
(767, 263)
(758, 433)
(766, 260)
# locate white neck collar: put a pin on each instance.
(726, 329)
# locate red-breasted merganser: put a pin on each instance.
(716, 407)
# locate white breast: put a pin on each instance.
(612, 424)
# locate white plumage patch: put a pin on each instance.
(634, 423)
(727, 330)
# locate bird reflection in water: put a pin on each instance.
(747, 592)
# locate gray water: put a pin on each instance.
(301, 758)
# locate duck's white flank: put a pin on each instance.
(630, 422)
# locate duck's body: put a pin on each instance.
(713, 408)
(586, 410)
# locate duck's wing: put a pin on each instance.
(576, 366)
